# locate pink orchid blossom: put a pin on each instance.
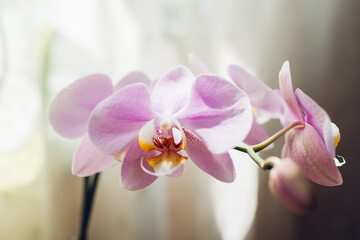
(288, 184)
(311, 145)
(181, 117)
(70, 111)
(266, 102)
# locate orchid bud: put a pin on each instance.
(289, 185)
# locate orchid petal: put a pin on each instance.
(116, 121)
(219, 112)
(171, 91)
(88, 160)
(261, 96)
(220, 166)
(132, 176)
(71, 109)
(318, 118)
(198, 64)
(133, 77)
(307, 149)
(256, 134)
(287, 90)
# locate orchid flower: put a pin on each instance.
(70, 111)
(288, 184)
(312, 144)
(181, 117)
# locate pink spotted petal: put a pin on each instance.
(171, 91)
(219, 112)
(220, 166)
(88, 160)
(307, 149)
(256, 134)
(132, 176)
(116, 121)
(133, 77)
(71, 109)
(198, 64)
(287, 90)
(261, 96)
(318, 118)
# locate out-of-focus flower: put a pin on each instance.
(288, 184)
(183, 116)
(70, 112)
(266, 102)
(311, 145)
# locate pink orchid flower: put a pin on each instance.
(265, 101)
(181, 117)
(312, 145)
(70, 111)
(288, 184)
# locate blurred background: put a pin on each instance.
(46, 44)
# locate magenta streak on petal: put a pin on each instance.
(219, 166)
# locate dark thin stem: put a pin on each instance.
(90, 184)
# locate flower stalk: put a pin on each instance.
(252, 150)
(90, 184)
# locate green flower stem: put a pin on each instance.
(273, 138)
(90, 184)
(252, 150)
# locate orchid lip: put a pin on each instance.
(167, 138)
